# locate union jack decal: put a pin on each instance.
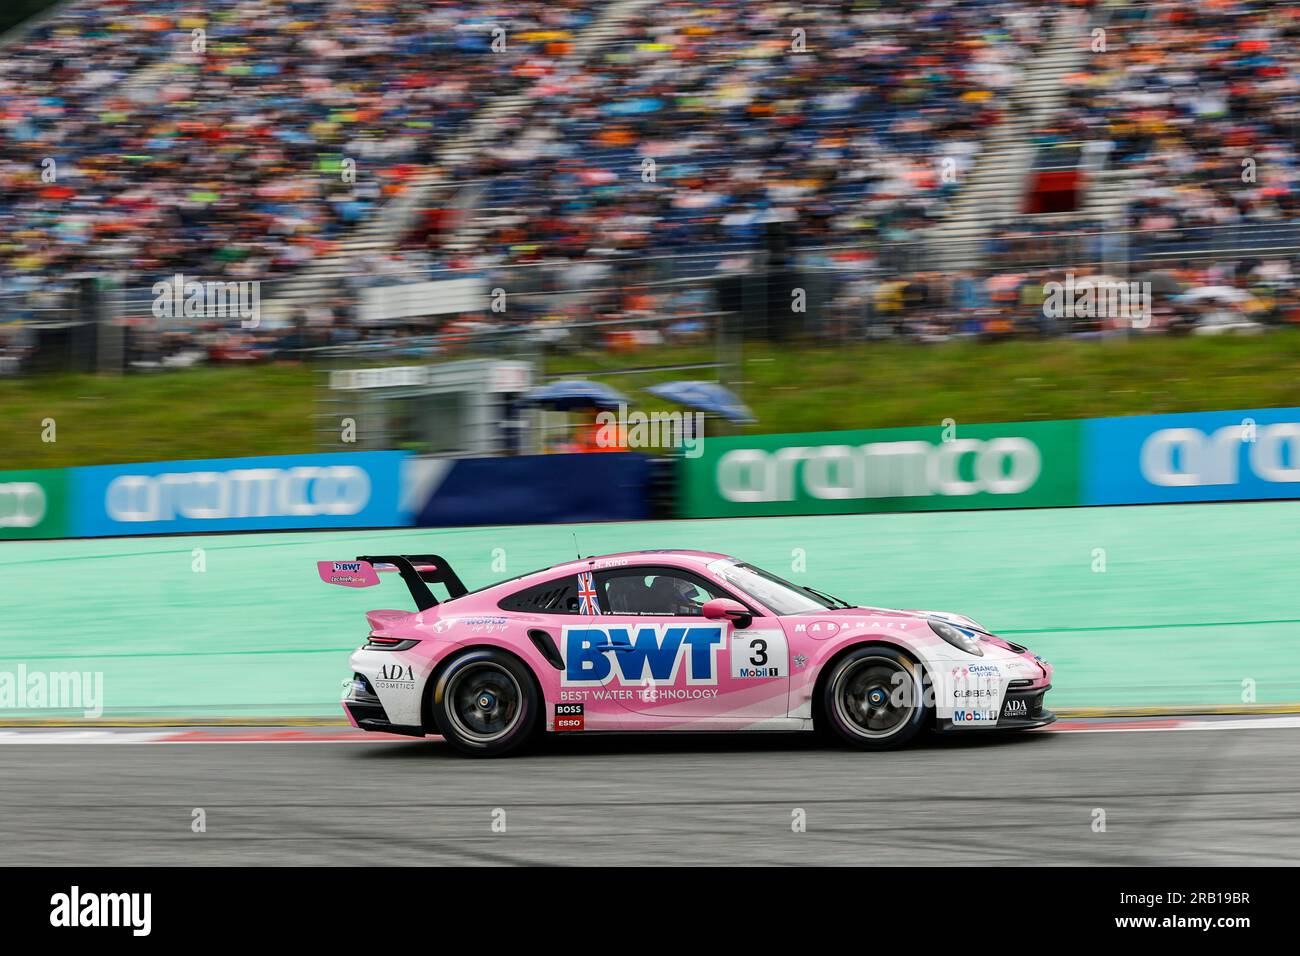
(587, 603)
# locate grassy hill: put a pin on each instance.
(226, 412)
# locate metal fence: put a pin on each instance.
(618, 307)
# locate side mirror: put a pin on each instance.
(725, 608)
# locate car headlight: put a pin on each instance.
(961, 639)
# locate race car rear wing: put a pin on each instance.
(417, 570)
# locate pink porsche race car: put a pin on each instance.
(670, 641)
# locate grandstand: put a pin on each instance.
(920, 169)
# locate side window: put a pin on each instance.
(653, 591)
(553, 597)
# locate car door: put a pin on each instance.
(564, 608)
(666, 660)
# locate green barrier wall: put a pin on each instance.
(1009, 465)
(34, 504)
(1193, 600)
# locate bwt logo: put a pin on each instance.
(1185, 457)
(598, 655)
(350, 566)
(304, 491)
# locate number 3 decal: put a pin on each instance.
(759, 655)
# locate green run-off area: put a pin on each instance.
(1193, 599)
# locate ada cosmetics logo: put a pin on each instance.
(1015, 707)
(74, 909)
(396, 677)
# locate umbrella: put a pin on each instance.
(706, 396)
(574, 393)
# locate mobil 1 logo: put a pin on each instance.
(758, 654)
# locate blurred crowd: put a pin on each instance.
(705, 123)
(237, 137)
(1241, 296)
(153, 137)
(1200, 101)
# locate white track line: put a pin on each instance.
(131, 736)
(1258, 723)
(42, 736)
(79, 737)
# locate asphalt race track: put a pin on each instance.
(1219, 795)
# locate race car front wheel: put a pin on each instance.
(486, 703)
(874, 699)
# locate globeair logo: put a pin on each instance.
(1186, 457)
(598, 655)
(22, 504)
(305, 491)
(901, 469)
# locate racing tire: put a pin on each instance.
(874, 699)
(486, 703)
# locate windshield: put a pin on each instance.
(779, 595)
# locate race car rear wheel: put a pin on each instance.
(874, 698)
(486, 703)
